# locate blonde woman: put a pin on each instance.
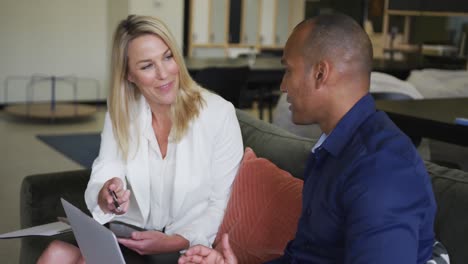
(170, 149)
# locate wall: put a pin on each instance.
(116, 11)
(296, 13)
(169, 11)
(53, 37)
(68, 37)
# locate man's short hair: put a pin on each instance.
(337, 37)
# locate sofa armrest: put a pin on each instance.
(451, 193)
(40, 204)
(40, 195)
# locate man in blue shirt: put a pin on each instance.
(367, 197)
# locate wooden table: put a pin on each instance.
(430, 118)
(51, 110)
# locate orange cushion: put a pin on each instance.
(263, 211)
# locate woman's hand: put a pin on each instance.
(105, 200)
(154, 242)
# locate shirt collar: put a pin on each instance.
(319, 142)
(347, 126)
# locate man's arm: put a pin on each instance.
(389, 211)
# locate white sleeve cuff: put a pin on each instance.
(194, 238)
(100, 216)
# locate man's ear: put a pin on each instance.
(322, 71)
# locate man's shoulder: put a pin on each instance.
(380, 136)
(380, 147)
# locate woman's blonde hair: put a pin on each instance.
(124, 95)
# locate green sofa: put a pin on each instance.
(40, 194)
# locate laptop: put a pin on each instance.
(97, 243)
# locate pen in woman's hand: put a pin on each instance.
(116, 203)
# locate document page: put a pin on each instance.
(50, 229)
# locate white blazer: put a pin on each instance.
(207, 160)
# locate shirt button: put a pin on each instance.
(309, 211)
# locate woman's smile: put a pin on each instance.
(166, 87)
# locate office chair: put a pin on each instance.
(228, 82)
(463, 43)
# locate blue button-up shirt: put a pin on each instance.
(367, 197)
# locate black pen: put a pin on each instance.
(116, 203)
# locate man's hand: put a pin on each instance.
(106, 201)
(202, 254)
(154, 242)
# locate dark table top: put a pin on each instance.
(261, 64)
(431, 118)
(272, 65)
(265, 71)
(268, 72)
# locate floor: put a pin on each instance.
(22, 155)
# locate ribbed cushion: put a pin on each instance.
(263, 211)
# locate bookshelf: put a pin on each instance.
(412, 8)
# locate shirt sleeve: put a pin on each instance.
(387, 202)
(107, 165)
(227, 154)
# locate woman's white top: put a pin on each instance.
(162, 172)
(186, 192)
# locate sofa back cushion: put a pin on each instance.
(451, 224)
(286, 150)
(263, 210)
